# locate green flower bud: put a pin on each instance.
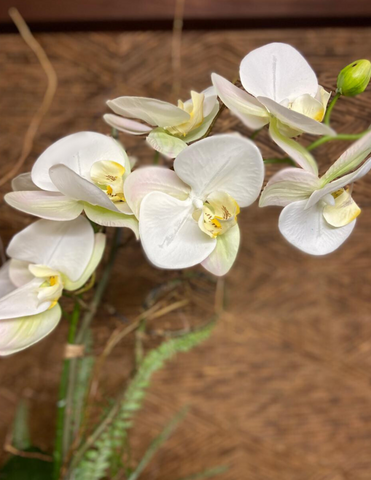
(354, 78)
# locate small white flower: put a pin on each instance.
(83, 171)
(279, 83)
(170, 128)
(319, 213)
(45, 258)
(189, 215)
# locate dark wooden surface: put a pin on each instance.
(283, 388)
(46, 11)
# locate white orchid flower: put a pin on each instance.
(280, 84)
(83, 171)
(45, 258)
(189, 215)
(319, 213)
(169, 128)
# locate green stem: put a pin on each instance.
(255, 133)
(156, 158)
(326, 120)
(341, 136)
(279, 160)
(59, 451)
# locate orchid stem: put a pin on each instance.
(326, 120)
(61, 413)
(341, 136)
(279, 160)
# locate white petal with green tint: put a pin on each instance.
(339, 183)
(350, 159)
(108, 218)
(343, 212)
(246, 107)
(151, 179)
(62, 246)
(78, 152)
(200, 131)
(220, 261)
(19, 333)
(165, 143)
(308, 230)
(170, 236)
(99, 245)
(47, 205)
(296, 151)
(126, 125)
(152, 111)
(295, 120)
(228, 163)
(287, 186)
(277, 71)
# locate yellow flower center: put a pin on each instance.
(344, 211)
(195, 108)
(108, 176)
(217, 215)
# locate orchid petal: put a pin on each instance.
(226, 163)
(246, 107)
(309, 231)
(126, 125)
(73, 186)
(339, 183)
(166, 144)
(295, 120)
(309, 106)
(47, 205)
(23, 182)
(19, 272)
(150, 179)
(6, 285)
(108, 218)
(78, 152)
(152, 111)
(19, 333)
(170, 237)
(210, 101)
(296, 151)
(220, 261)
(350, 159)
(277, 71)
(343, 212)
(63, 246)
(200, 131)
(98, 251)
(287, 186)
(23, 301)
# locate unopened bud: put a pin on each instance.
(354, 78)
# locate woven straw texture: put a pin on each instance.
(282, 389)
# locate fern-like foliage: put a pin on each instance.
(96, 461)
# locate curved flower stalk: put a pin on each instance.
(319, 213)
(280, 84)
(84, 171)
(170, 128)
(189, 216)
(45, 258)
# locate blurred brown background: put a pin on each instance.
(282, 389)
